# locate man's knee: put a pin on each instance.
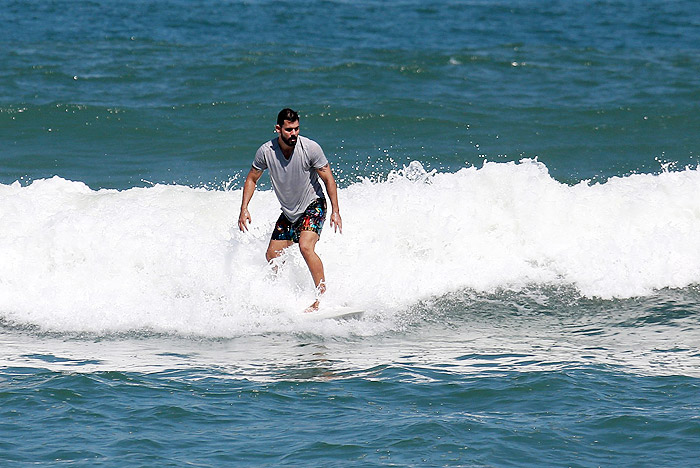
(306, 249)
(307, 245)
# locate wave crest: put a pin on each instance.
(170, 258)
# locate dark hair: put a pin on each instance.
(287, 114)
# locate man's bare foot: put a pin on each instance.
(320, 289)
(313, 307)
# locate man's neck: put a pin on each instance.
(287, 150)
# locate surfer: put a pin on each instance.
(296, 164)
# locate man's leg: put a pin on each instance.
(307, 245)
(275, 248)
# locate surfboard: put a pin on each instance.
(334, 312)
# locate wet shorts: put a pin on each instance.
(312, 220)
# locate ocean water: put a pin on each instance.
(520, 193)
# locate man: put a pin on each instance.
(296, 163)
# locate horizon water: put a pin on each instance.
(519, 189)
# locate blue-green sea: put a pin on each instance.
(520, 193)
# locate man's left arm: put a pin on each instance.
(326, 176)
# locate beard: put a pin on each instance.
(291, 141)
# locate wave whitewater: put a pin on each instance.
(170, 258)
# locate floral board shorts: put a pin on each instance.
(312, 220)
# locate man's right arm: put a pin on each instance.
(251, 181)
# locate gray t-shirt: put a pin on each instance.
(294, 180)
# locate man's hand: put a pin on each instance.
(248, 188)
(326, 176)
(336, 222)
(243, 220)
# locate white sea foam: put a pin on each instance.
(171, 259)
